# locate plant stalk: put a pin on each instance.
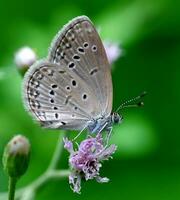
(12, 187)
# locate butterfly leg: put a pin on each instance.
(109, 131)
(102, 128)
(79, 133)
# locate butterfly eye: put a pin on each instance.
(116, 118)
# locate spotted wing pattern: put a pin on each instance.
(73, 85)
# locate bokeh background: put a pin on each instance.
(147, 163)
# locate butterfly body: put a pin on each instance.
(104, 123)
(71, 89)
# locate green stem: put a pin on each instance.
(47, 176)
(29, 192)
(12, 187)
(34, 187)
(57, 153)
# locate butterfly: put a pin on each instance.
(71, 89)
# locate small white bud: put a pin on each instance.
(24, 58)
(113, 51)
(19, 145)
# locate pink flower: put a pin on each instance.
(86, 161)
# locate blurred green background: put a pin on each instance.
(147, 164)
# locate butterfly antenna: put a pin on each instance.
(127, 104)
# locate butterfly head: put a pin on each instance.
(116, 118)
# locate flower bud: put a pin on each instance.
(113, 51)
(16, 156)
(24, 58)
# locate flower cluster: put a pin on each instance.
(86, 161)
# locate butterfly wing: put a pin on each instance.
(73, 86)
(58, 98)
(79, 48)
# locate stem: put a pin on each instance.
(38, 184)
(46, 177)
(57, 153)
(59, 174)
(12, 187)
(29, 192)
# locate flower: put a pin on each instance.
(24, 58)
(113, 51)
(85, 163)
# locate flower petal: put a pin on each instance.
(68, 145)
(113, 51)
(106, 153)
(102, 180)
(75, 182)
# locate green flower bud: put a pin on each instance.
(16, 156)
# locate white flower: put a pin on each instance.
(113, 51)
(25, 57)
